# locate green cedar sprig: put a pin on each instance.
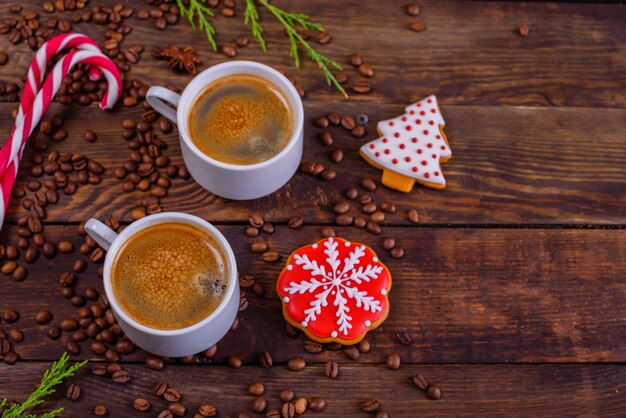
(197, 13)
(58, 372)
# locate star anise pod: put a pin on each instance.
(181, 58)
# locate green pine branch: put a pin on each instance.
(197, 13)
(58, 372)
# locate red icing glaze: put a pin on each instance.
(334, 290)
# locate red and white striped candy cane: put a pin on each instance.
(21, 131)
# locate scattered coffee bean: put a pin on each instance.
(256, 220)
(287, 395)
(54, 332)
(368, 184)
(326, 138)
(374, 228)
(361, 87)
(177, 409)
(524, 30)
(389, 243)
(364, 346)
(356, 59)
(121, 376)
(165, 414)
(100, 410)
(256, 389)
(270, 256)
(258, 290)
(300, 405)
(317, 404)
(348, 123)
(434, 392)
(16, 335)
(377, 217)
(352, 352)
(397, 253)
(288, 410)
(366, 70)
(234, 362)
(393, 361)
(207, 410)
(43, 317)
(370, 405)
(382, 414)
(328, 232)
(11, 357)
(31, 254)
(322, 122)
(73, 392)
(344, 220)
(418, 26)
(420, 381)
(328, 174)
(265, 359)
(413, 216)
(159, 389)
(154, 363)
(388, 207)
(412, 9)
(358, 132)
(342, 207)
(68, 325)
(331, 369)
(295, 222)
(296, 364)
(65, 246)
(90, 136)
(272, 413)
(259, 404)
(252, 232)
(268, 228)
(313, 347)
(72, 347)
(141, 404)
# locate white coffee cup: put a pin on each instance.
(233, 181)
(170, 343)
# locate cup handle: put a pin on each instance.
(157, 96)
(101, 233)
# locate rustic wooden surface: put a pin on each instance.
(520, 260)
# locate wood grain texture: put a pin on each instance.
(485, 390)
(510, 165)
(464, 295)
(470, 52)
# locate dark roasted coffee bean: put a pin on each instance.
(288, 410)
(381, 414)
(259, 404)
(418, 26)
(259, 246)
(111, 356)
(49, 249)
(68, 325)
(258, 290)
(412, 215)
(369, 208)
(368, 184)
(337, 156)
(322, 122)
(366, 70)
(97, 255)
(360, 222)
(312, 347)
(124, 347)
(177, 409)
(295, 222)
(9, 267)
(206, 410)
(54, 332)
(296, 364)
(352, 193)
(344, 220)
(43, 317)
(434, 392)
(317, 404)
(331, 369)
(154, 363)
(79, 336)
(397, 253)
(361, 87)
(328, 232)
(171, 395)
(287, 395)
(256, 389)
(65, 246)
(351, 352)
(412, 9)
(393, 361)
(265, 359)
(66, 279)
(5, 345)
(377, 217)
(72, 347)
(358, 132)
(234, 362)
(370, 405)
(20, 273)
(374, 228)
(356, 59)
(268, 228)
(66, 292)
(73, 392)
(159, 389)
(141, 404)
(252, 232)
(364, 346)
(11, 357)
(11, 252)
(342, 207)
(100, 410)
(16, 335)
(420, 381)
(270, 256)
(348, 123)
(328, 174)
(326, 138)
(121, 376)
(9, 316)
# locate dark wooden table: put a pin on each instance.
(513, 287)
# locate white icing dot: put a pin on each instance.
(334, 334)
(289, 267)
(326, 287)
(286, 299)
(304, 324)
(348, 283)
(314, 246)
(383, 292)
(333, 293)
(347, 243)
(368, 323)
(375, 259)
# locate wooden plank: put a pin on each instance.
(470, 52)
(511, 165)
(464, 295)
(494, 390)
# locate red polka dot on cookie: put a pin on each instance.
(436, 173)
(391, 123)
(426, 175)
(431, 122)
(397, 134)
(425, 131)
(395, 161)
(443, 147)
(372, 146)
(429, 101)
(411, 112)
(422, 113)
(419, 105)
(384, 140)
(434, 156)
(403, 118)
(407, 159)
(408, 127)
(438, 137)
(433, 111)
(419, 151)
(424, 162)
(377, 154)
(414, 140)
(414, 169)
(387, 151)
(429, 145)
(418, 121)
(402, 146)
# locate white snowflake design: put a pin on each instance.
(338, 283)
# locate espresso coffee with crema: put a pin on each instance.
(169, 275)
(241, 119)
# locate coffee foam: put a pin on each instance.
(241, 119)
(169, 276)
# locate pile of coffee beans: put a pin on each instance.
(433, 391)
(413, 10)
(365, 70)
(258, 225)
(291, 405)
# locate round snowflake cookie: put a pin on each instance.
(335, 290)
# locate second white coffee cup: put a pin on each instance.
(233, 181)
(170, 343)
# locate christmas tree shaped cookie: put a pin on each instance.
(411, 147)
